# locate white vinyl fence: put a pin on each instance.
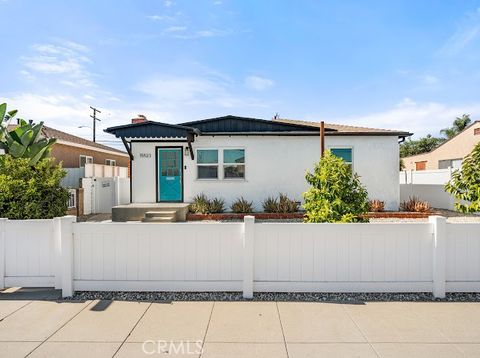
(434, 194)
(251, 257)
(101, 194)
(437, 176)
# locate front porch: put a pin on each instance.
(138, 212)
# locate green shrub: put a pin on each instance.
(336, 194)
(465, 183)
(217, 205)
(270, 205)
(31, 192)
(242, 206)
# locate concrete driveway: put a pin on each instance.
(238, 329)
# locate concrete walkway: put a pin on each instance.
(238, 329)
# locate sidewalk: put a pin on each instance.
(238, 329)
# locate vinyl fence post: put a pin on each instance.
(66, 229)
(57, 251)
(248, 252)
(3, 244)
(116, 187)
(439, 226)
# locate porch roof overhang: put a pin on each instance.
(154, 130)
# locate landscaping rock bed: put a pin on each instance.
(280, 296)
(236, 216)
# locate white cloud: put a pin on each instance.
(217, 2)
(178, 92)
(419, 118)
(175, 29)
(66, 58)
(430, 80)
(168, 3)
(467, 32)
(258, 83)
(161, 18)
(182, 33)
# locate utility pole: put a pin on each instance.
(95, 119)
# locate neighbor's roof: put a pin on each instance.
(342, 129)
(49, 132)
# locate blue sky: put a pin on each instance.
(410, 65)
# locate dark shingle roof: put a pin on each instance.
(346, 129)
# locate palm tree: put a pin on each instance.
(459, 124)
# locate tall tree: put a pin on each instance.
(465, 183)
(459, 124)
(422, 145)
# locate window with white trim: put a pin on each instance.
(234, 163)
(207, 163)
(110, 162)
(344, 153)
(85, 159)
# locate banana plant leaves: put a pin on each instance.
(25, 141)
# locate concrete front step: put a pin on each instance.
(137, 211)
(160, 213)
(159, 219)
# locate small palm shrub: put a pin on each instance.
(200, 204)
(242, 205)
(414, 204)
(376, 206)
(287, 205)
(270, 205)
(216, 205)
(282, 204)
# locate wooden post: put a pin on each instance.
(322, 138)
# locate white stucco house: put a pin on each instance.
(232, 156)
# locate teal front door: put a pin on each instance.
(169, 166)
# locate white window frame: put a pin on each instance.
(87, 157)
(220, 163)
(110, 161)
(236, 164)
(352, 163)
(197, 164)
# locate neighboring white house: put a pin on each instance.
(233, 156)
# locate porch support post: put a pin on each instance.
(190, 139)
(322, 138)
(128, 148)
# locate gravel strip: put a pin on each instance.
(280, 296)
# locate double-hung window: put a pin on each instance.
(234, 163)
(207, 164)
(344, 153)
(85, 159)
(110, 162)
